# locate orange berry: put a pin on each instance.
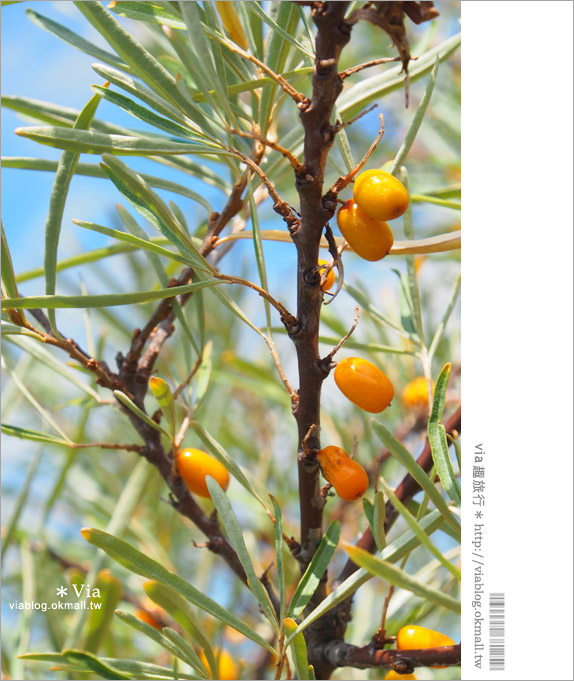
(330, 280)
(226, 667)
(364, 384)
(380, 195)
(346, 475)
(415, 393)
(413, 637)
(393, 676)
(193, 465)
(148, 618)
(369, 238)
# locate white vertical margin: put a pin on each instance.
(517, 325)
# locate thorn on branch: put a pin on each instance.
(327, 361)
(345, 180)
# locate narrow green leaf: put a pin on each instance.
(444, 321)
(142, 670)
(141, 62)
(152, 207)
(12, 524)
(88, 142)
(162, 640)
(418, 531)
(147, 116)
(279, 554)
(170, 600)
(416, 122)
(181, 644)
(99, 620)
(104, 300)
(235, 537)
(203, 376)
(277, 29)
(378, 524)
(438, 441)
(148, 244)
(64, 173)
(135, 561)
(125, 400)
(394, 575)
(392, 553)
(422, 198)
(137, 89)
(259, 255)
(223, 457)
(33, 435)
(310, 580)
(406, 459)
(150, 12)
(8, 276)
(299, 648)
(277, 50)
(75, 40)
(412, 278)
(92, 664)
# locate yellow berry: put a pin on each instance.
(413, 637)
(330, 280)
(380, 195)
(226, 667)
(415, 393)
(346, 475)
(370, 239)
(194, 465)
(364, 384)
(393, 676)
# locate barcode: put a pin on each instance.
(497, 631)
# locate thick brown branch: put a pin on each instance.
(341, 654)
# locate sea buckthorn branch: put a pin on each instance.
(341, 654)
(332, 34)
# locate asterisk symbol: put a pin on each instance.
(61, 591)
(478, 514)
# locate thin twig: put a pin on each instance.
(293, 160)
(329, 358)
(106, 445)
(339, 126)
(344, 180)
(385, 60)
(300, 99)
(177, 392)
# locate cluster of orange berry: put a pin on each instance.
(377, 196)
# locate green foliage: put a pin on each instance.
(196, 99)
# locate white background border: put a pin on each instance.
(517, 323)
